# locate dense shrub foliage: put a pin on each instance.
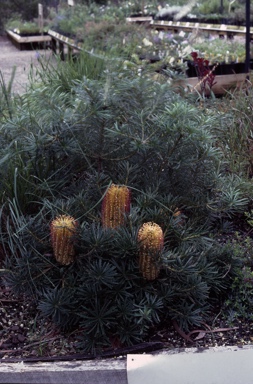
(185, 166)
(63, 143)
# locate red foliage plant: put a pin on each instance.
(204, 73)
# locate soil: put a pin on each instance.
(11, 58)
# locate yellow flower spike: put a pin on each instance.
(151, 240)
(63, 228)
(115, 204)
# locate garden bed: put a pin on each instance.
(29, 42)
(26, 336)
(102, 261)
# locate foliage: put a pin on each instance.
(71, 20)
(239, 303)
(115, 10)
(220, 50)
(104, 292)
(6, 101)
(103, 29)
(212, 6)
(242, 245)
(94, 121)
(62, 147)
(61, 76)
(26, 9)
(204, 73)
(234, 131)
(24, 27)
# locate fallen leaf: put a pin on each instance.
(201, 335)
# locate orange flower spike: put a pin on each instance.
(151, 241)
(115, 204)
(63, 228)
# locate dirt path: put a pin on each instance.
(23, 61)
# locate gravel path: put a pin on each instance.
(11, 57)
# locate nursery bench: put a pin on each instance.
(28, 42)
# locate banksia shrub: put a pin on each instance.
(151, 239)
(63, 229)
(115, 204)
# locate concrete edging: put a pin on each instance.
(75, 372)
(104, 371)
